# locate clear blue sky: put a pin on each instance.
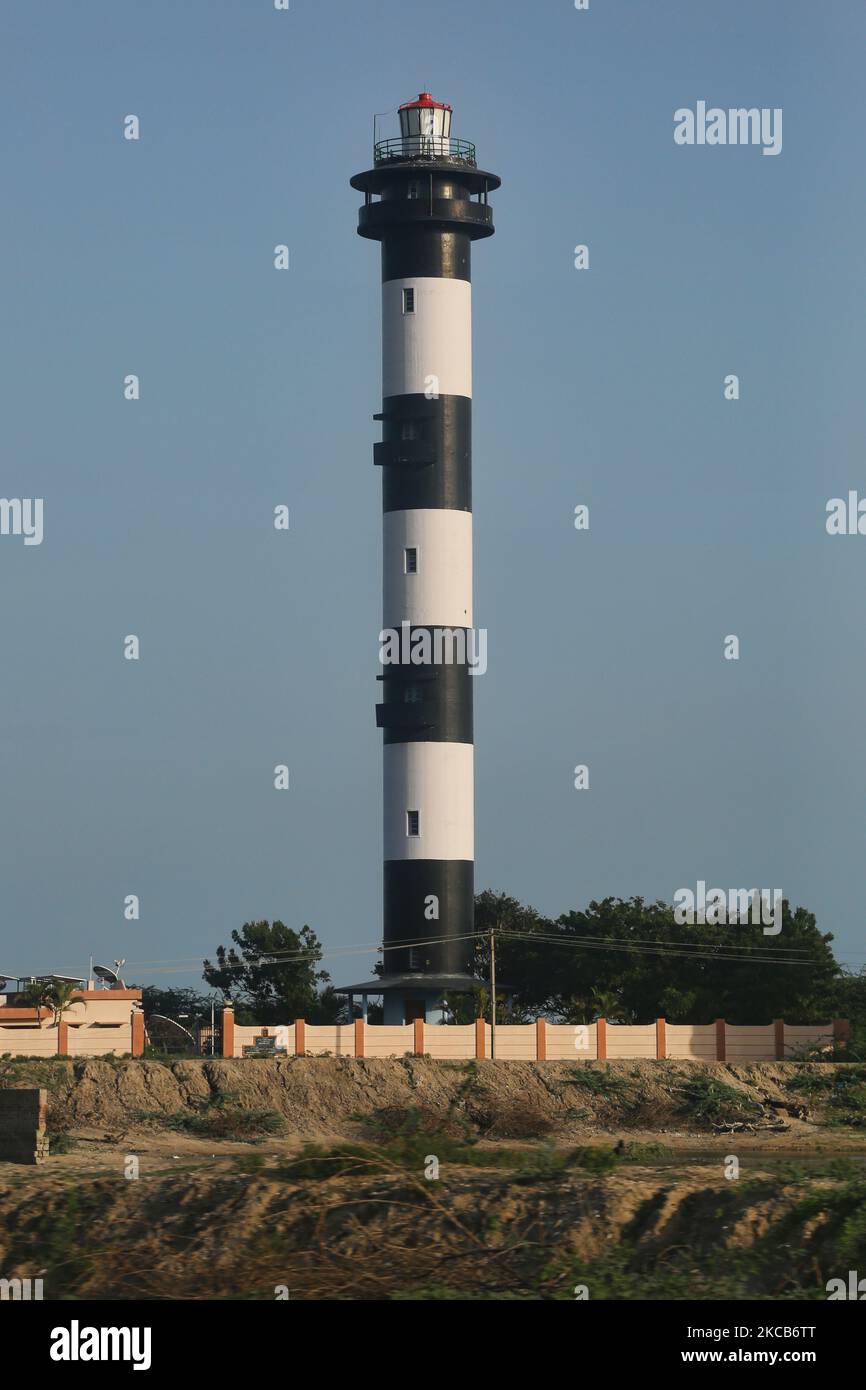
(605, 387)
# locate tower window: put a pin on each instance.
(409, 301)
(412, 695)
(414, 191)
(410, 560)
(408, 429)
(413, 823)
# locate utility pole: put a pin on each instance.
(492, 993)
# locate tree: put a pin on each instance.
(628, 960)
(33, 995)
(850, 1003)
(272, 978)
(55, 995)
(58, 997)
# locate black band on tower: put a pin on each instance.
(426, 251)
(428, 703)
(410, 884)
(426, 452)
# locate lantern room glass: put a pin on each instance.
(425, 129)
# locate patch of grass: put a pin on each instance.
(709, 1101)
(515, 1121)
(844, 1213)
(822, 1080)
(539, 1165)
(612, 1085)
(33, 1071)
(519, 1121)
(251, 1164)
(406, 1153)
(400, 1121)
(228, 1122)
(220, 1119)
(636, 1152)
(61, 1143)
(842, 1090)
(410, 1146)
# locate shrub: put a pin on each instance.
(704, 1098)
(519, 1121)
(60, 1143)
(220, 1119)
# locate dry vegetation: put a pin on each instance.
(310, 1173)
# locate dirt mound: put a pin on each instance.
(533, 1195)
(317, 1096)
(322, 1097)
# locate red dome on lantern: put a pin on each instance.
(425, 99)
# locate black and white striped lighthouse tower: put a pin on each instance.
(426, 201)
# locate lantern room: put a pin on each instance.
(425, 126)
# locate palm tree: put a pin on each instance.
(59, 997)
(35, 995)
(604, 1003)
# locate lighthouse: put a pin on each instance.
(426, 201)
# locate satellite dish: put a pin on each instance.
(168, 1033)
(106, 974)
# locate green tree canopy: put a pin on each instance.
(270, 974)
(628, 960)
(183, 1005)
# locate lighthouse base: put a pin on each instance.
(407, 997)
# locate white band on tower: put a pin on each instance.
(427, 346)
(427, 568)
(437, 781)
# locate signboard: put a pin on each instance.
(268, 1044)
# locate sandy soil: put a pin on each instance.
(222, 1219)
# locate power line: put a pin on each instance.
(767, 955)
(286, 957)
(636, 949)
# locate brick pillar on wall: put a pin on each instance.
(779, 1038)
(540, 1040)
(63, 1038)
(359, 1037)
(137, 1034)
(601, 1038)
(228, 1031)
(841, 1032)
(479, 1037)
(721, 1040)
(661, 1042)
(300, 1037)
(419, 1037)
